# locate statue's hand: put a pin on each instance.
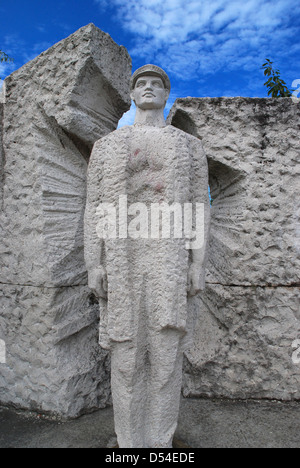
(98, 282)
(196, 279)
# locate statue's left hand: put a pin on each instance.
(97, 281)
(196, 279)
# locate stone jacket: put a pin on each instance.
(147, 278)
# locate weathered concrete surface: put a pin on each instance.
(55, 108)
(1, 151)
(54, 362)
(202, 424)
(249, 316)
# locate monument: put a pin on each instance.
(245, 323)
(146, 233)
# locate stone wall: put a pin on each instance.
(55, 108)
(1, 152)
(248, 317)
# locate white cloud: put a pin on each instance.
(16, 48)
(41, 28)
(204, 36)
(35, 50)
(128, 117)
(5, 69)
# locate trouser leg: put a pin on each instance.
(128, 382)
(164, 387)
(146, 387)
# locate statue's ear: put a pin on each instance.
(132, 95)
(167, 93)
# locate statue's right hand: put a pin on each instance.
(98, 282)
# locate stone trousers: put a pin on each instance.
(146, 387)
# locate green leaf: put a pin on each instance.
(269, 81)
(4, 57)
(276, 86)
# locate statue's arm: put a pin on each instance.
(93, 245)
(200, 182)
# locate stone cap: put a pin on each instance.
(150, 70)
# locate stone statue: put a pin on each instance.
(145, 273)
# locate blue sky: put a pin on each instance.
(208, 47)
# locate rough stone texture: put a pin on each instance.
(128, 162)
(249, 314)
(54, 363)
(145, 318)
(1, 152)
(55, 108)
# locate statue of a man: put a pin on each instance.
(143, 276)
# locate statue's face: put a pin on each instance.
(149, 93)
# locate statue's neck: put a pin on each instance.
(150, 117)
